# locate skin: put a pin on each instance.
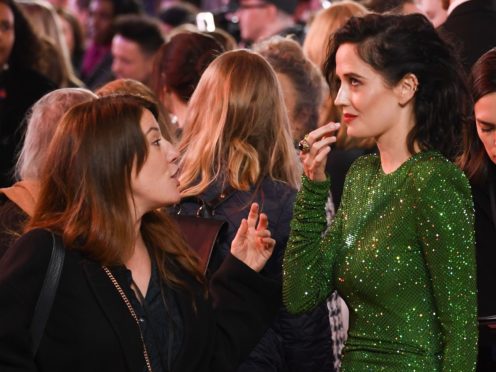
(156, 185)
(7, 34)
(370, 108)
(433, 9)
(485, 118)
(129, 60)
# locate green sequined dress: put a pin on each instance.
(401, 253)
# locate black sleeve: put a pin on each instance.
(22, 271)
(245, 304)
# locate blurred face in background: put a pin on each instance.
(7, 34)
(129, 60)
(253, 17)
(101, 15)
(433, 9)
(485, 117)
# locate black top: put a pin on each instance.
(90, 327)
(19, 90)
(471, 27)
(485, 242)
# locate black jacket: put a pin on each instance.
(471, 26)
(485, 243)
(90, 328)
(22, 88)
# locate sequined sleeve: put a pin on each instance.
(445, 225)
(308, 258)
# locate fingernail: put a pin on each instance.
(337, 125)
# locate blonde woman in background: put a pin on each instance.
(237, 143)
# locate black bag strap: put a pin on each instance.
(207, 208)
(47, 293)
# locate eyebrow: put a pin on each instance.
(486, 123)
(152, 129)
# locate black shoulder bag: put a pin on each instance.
(47, 293)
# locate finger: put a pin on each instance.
(269, 243)
(253, 215)
(319, 145)
(323, 131)
(263, 222)
(264, 233)
(242, 230)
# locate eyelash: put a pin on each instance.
(156, 142)
(354, 82)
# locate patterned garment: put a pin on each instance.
(401, 254)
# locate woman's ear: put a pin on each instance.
(406, 89)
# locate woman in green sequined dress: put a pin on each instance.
(401, 248)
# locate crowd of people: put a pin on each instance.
(347, 147)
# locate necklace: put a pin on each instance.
(133, 314)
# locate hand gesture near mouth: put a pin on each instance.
(317, 146)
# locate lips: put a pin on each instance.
(349, 117)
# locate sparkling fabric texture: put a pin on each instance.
(401, 254)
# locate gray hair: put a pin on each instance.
(41, 124)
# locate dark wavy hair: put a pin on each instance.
(395, 45)
(180, 63)
(474, 161)
(27, 49)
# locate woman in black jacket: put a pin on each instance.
(131, 296)
(479, 163)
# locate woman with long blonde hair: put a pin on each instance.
(237, 146)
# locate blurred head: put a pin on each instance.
(414, 63)
(301, 82)
(480, 137)
(177, 15)
(433, 9)
(326, 22)
(136, 88)
(393, 6)
(484, 94)
(101, 16)
(180, 62)
(236, 128)
(7, 33)
(41, 124)
(134, 46)
(17, 37)
(256, 17)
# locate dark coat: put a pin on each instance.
(293, 343)
(485, 243)
(22, 89)
(471, 26)
(90, 328)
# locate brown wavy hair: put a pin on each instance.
(474, 160)
(86, 184)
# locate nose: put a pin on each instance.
(172, 153)
(341, 97)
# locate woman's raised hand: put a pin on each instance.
(314, 149)
(252, 243)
